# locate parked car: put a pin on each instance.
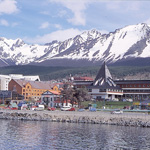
(92, 109)
(117, 112)
(51, 108)
(40, 107)
(71, 109)
(65, 108)
(81, 109)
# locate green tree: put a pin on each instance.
(81, 94)
(75, 95)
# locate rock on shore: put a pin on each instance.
(126, 119)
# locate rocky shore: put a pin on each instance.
(99, 117)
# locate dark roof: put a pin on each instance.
(104, 86)
(132, 81)
(104, 78)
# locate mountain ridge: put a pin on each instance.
(89, 48)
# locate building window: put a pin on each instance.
(102, 90)
(90, 90)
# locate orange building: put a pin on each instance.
(31, 90)
(57, 87)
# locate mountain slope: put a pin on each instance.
(90, 47)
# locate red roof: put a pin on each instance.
(55, 92)
(83, 78)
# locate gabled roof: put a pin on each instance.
(51, 92)
(104, 78)
(34, 84)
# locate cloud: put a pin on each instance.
(45, 13)
(59, 35)
(4, 22)
(47, 24)
(8, 6)
(147, 21)
(58, 26)
(14, 24)
(44, 25)
(78, 9)
(123, 6)
(62, 13)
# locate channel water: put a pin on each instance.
(43, 135)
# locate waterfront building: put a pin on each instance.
(49, 97)
(5, 79)
(103, 87)
(80, 82)
(136, 90)
(31, 90)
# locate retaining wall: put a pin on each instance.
(125, 119)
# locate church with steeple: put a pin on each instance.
(103, 87)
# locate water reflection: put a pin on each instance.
(26, 135)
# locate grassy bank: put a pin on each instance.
(108, 104)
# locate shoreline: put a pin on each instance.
(99, 117)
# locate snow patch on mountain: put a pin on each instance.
(130, 41)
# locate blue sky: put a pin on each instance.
(42, 21)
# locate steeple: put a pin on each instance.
(103, 77)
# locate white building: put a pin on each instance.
(5, 79)
(104, 87)
(49, 98)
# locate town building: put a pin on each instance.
(8, 96)
(80, 82)
(31, 90)
(49, 97)
(5, 79)
(103, 87)
(136, 90)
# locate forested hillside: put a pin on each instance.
(48, 73)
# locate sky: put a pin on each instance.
(42, 21)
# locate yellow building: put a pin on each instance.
(31, 90)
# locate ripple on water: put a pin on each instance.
(36, 135)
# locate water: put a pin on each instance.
(35, 135)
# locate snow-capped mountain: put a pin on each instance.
(87, 48)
